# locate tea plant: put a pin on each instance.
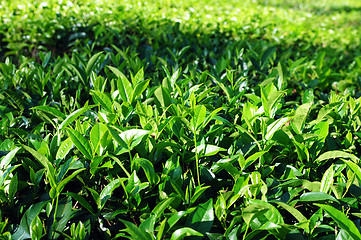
(180, 119)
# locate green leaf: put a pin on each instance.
(64, 148)
(63, 214)
(81, 143)
(208, 150)
(342, 220)
(6, 160)
(197, 193)
(116, 135)
(202, 217)
(92, 62)
(185, 232)
(139, 89)
(53, 111)
(102, 99)
(147, 167)
(199, 116)
(355, 168)
(317, 196)
(97, 132)
(327, 180)
(23, 231)
(135, 232)
(159, 209)
(107, 192)
(162, 97)
(297, 214)
(176, 217)
(275, 126)
(70, 118)
(63, 182)
(125, 88)
(45, 162)
(299, 119)
(46, 59)
(133, 137)
(336, 154)
(81, 200)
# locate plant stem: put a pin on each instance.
(197, 163)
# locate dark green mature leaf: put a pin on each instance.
(107, 192)
(63, 214)
(81, 200)
(147, 167)
(50, 171)
(135, 232)
(23, 231)
(342, 220)
(202, 217)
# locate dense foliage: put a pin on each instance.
(170, 119)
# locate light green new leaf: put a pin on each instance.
(299, 119)
(102, 99)
(53, 111)
(64, 148)
(133, 137)
(336, 154)
(96, 134)
(139, 89)
(115, 132)
(208, 150)
(199, 116)
(6, 160)
(355, 168)
(159, 209)
(275, 126)
(92, 62)
(327, 180)
(317, 196)
(342, 220)
(125, 88)
(81, 143)
(184, 232)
